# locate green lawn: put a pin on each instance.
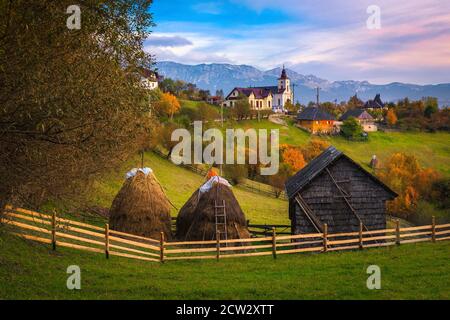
(415, 271)
(180, 183)
(431, 149)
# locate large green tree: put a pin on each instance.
(71, 103)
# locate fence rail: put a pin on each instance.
(58, 232)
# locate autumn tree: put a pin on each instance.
(315, 147)
(404, 175)
(71, 101)
(277, 181)
(293, 157)
(391, 117)
(168, 105)
(354, 102)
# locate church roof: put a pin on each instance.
(375, 103)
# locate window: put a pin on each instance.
(268, 104)
(279, 102)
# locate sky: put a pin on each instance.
(329, 39)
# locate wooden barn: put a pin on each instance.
(335, 190)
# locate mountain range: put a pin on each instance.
(227, 76)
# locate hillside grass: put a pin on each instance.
(180, 184)
(415, 271)
(431, 149)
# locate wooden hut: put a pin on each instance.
(335, 190)
(316, 120)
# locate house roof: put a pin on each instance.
(302, 178)
(314, 113)
(357, 114)
(258, 92)
(375, 103)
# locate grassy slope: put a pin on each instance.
(32, 271)
(180, 183)
(432, 149)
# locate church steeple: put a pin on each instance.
(283, 81)
(283, 74)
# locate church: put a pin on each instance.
(264, 98)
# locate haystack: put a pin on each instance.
(141, 206)
(196, 219)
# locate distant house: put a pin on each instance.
(149, 79)
(216, 100)
(272, 97)
(316, 120)
(376, 103)
(335, 190)
(363, 117)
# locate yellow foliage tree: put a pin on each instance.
(169, 104)
(391, 117)
(404, 174)
(294, 158)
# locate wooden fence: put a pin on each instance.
(59, 232)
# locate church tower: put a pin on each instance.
(284, 82)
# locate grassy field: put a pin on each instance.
(415, 271)
(180, 183)
(431, 149)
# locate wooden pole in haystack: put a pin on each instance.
(107, 240)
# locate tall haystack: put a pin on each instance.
(141, 206)
(197, 220)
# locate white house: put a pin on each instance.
(149, 79)
(273, 97)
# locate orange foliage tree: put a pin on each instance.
(293, 157)
(404, 174)
(315, 147)
(169, 104)
(391, 117)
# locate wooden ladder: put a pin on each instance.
(346, 197)
(220, 214)
(317, 224)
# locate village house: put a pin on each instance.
(376, 103)
(149, 79)
(316, 120)
(364, 118)
(272, 97)
(334, 190)
(216, 100)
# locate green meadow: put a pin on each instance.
(30, 270)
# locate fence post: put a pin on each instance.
(361, 236)
(217, 245)
(161, 247)
(274, 243)
(107, 240)
(325, 237)
(54, 229)
(433, 229)
(397, 232)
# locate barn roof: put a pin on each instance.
(357, 114)
(314, 113)
(317, 165)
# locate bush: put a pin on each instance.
(351, 129)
